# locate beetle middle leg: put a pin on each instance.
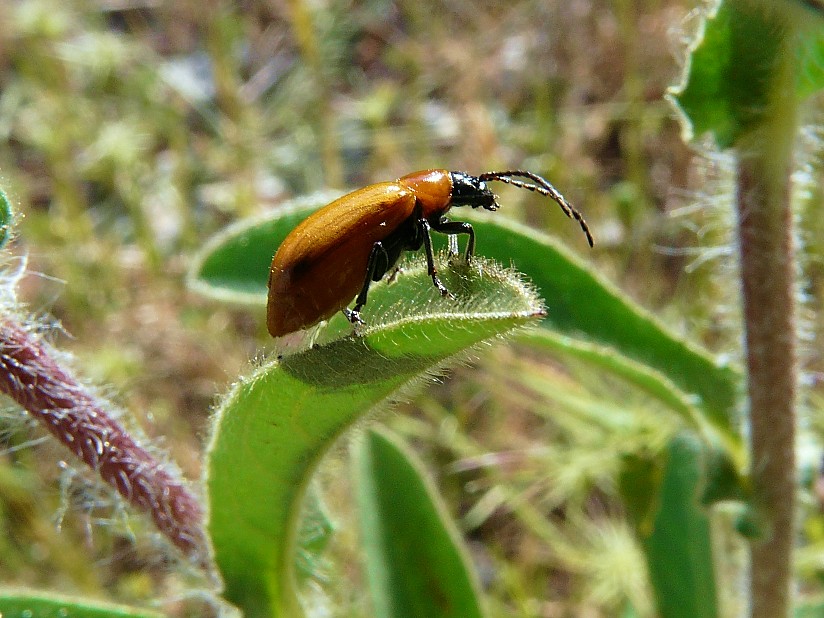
(430, 256)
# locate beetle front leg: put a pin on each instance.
(378, 252)
(430, 257)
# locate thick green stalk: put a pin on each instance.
(767, 275)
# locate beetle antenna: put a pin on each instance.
(544, 187)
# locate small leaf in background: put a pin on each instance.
(811, 56)
(414, 557)
(679, 547)
(725, 89)
(6, 215)
(275, 425)
(810, 610)
(640, 482)
(314, 534)
(31, 604)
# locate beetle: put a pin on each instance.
(337, 252)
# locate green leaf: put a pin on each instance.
(275, 425)
(33, 604)
(737, 67)
(810, 610)
(654, 383)
(414, 556)
(811, 57)
(728, 83)
(6, 217)
(679, 549)
(639, 483)
(581, 303)
(314, 534)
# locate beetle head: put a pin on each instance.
(468, 190)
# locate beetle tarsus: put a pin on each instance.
(393, 276)
(353, 315)
(441, 287)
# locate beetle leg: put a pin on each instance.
(353, 316)
(458, 227)
(452, 246)
(378, 251)
(430, 257)
(393, 276)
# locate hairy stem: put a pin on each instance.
(31, 376)
(767, 272)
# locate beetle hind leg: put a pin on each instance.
(376, 267)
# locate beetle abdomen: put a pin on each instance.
(321, 265)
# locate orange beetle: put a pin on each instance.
(337, 252)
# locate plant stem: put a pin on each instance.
(31, 376)
(767, 272)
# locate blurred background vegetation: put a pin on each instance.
(132, 130)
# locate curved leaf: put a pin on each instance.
(275, 425)
(414, 556)
(234, 265)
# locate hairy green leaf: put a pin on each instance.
(275, 425)
(734, 74)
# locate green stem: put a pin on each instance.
(767, 273)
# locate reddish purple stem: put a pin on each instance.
(31, 376)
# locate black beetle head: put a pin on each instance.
(468, 190)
